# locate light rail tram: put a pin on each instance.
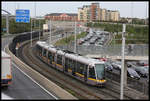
(88, 70)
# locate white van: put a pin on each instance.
(6, 74)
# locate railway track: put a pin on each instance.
(76, 87)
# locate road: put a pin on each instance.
(23, 87)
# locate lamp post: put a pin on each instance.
(50, 25)
(38, 18)
(31, 32)
(7, 23)
(39, 30)
(75, 45)
(122, 66)
(7, 20)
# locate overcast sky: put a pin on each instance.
(126, 9)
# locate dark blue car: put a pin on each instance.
(108, 66)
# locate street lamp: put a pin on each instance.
(31, 32)
(39, 30)
(50, 25)
(75, 45)
(7, 23)
(122, 66)
(38, 18)
(7, 20)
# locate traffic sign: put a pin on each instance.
(23, 15)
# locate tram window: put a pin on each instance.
(73, 64)
(59, 59)
(92, 73)
(44, 53)
(39, 49)
(50, 57)
(70, 64)
(100, 71)
(80, 67)
(53, 56)
(66, 62)
(85, 69)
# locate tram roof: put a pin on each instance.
(83, 59)
(76, 57)
(46, 46)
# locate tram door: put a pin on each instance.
(85, 73)
(63, 62)
(91, 72)
(66, 64)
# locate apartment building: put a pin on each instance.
(84, 13)
(93, 12)
(114, 16)
(103, 15)
(89, 12)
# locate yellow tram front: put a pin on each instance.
(97, 74)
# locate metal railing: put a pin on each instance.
(109, 50)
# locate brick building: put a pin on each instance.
(95, 12)
(62, 16)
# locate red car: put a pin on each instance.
(103, 59)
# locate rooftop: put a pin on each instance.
(58, 14)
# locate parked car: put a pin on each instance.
(108, 66)
(103, 59)
(132, 73)
(130, 64)
(116, 65)
(142, 70)
(143, 63)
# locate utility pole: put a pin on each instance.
(75, 45)
(35, 14)
(122, 66)
(31, 32)
(132, 11)
(39, 30)
(50, 32)
(7, 23)
(146, 15)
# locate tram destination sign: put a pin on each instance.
(23, 15)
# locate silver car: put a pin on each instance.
(132, 73)
(116, 65)
(142, 70)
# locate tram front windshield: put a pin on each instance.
(100, 71)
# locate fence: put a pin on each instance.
(109, 50)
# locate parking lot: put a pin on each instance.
(95, 37)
